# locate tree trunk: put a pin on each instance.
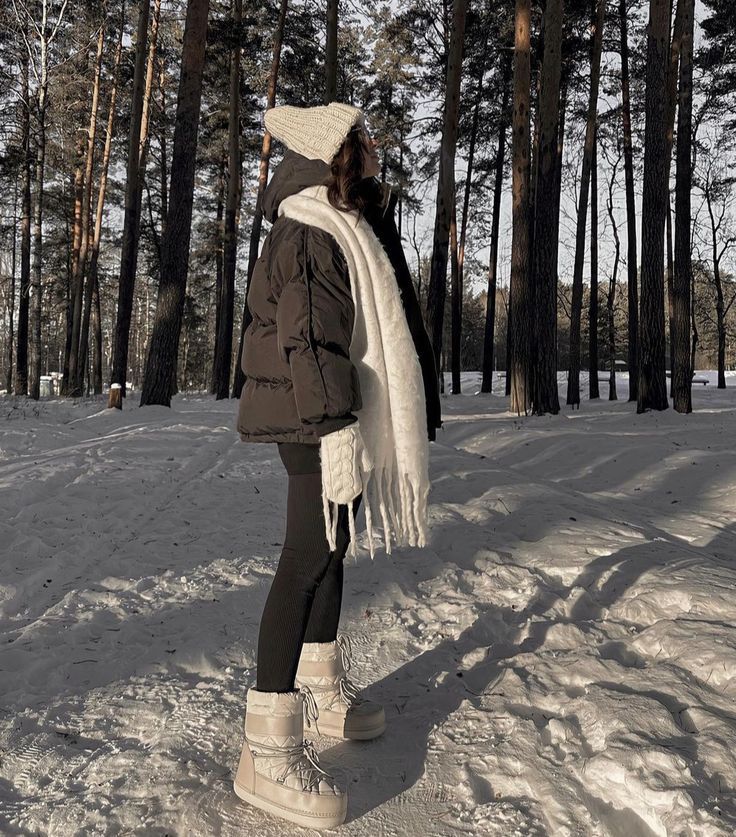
(11, 294)
(148, 92)
(220, 239)
(611, 297)
(331, 53)
(73, 277)
(446, 180)
(669, 277)
(21, 361)
(631, 249)
(163, 349)
(132, 216)
(163, 167)
(455, 304)
(593, 389)
(652, 379)
(520, 299)
(97, 323)
(682, 371)
(458, 304)
(694, 322)
(91, 273)
(721, 327)
(573, 376)
(76, 359)
(546, 219)
(672, 75)
(224, 354)
(45, 32)
(255, 234)
(37, 274)
(718, 282)
(489, 334)
(400, 201)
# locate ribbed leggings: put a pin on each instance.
(305, 598)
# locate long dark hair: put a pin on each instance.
(347, 189)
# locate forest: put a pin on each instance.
(564, 175)
(558, 656)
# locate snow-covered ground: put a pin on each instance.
(561, 660)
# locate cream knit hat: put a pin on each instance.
(316, 132)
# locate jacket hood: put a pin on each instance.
(294, 173)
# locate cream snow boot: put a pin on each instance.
(279, 771)
(323, 667)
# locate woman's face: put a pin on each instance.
(371, 161)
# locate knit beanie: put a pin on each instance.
(316, 132)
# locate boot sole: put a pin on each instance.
(308, 820)
(357, 735)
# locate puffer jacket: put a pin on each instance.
(299, 381)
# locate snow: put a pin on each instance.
(560, 660)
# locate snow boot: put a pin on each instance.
(323, 667)
(279, 771)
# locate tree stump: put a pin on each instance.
(116, 396)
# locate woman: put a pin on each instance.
(347, 388)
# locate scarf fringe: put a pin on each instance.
(401, 508)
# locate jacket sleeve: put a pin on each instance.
(314, 317)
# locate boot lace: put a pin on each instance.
(349, 692)
(311, 715)
(302, 757)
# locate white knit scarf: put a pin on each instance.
(393, 418)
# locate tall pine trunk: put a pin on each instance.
(132, 214)
(76, 359)
(37, 272)
(331, 53)
(718, 253)
(457, 303)
(611, 296)
(94, 256)
(43, 31)
(631, 248)
(593, 388)
(672, 77)
(10, 337)
(446, 181)
(73, 276)
(573, 375)
(652, 379)
(159, 380)
(520, 296)
(546, 218)
(255, 233)
(489, 333)
(21, 360)
(220, 240)
(97, 325)
(223, 362)
(682, 280)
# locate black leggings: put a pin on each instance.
(304, 602)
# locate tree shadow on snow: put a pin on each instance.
(422, 694)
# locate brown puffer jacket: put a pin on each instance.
(300, 382)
